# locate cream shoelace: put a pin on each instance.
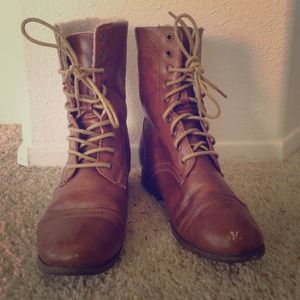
(192, 76)
(99, 102)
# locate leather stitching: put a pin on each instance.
(117, 225)
(53, 214)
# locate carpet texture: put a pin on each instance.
(152, 265)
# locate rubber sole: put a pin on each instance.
(56, 270)
(257, 253)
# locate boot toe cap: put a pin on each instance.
(228, 232)
(85, 242)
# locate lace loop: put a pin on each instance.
(75, 68)
(192, 77)
(98, 101)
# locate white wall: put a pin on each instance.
(12, 83)
(246, 52)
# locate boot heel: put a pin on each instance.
(150, 186)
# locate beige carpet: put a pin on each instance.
(153, 266)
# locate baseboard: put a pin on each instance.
(22, 155)
(51, 156)
(250, 150)
(291, 143)
(240, 151)
(42, 156)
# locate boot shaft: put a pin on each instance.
(173, 88)
(92, 54)
(98, 44)
(158, 51)
(101, 44)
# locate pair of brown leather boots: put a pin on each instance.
(83, 229)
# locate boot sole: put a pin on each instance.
(257, 253)
(56, 270)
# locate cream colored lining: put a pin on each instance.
(84, 25)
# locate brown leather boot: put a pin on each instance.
(83, 229)
(179, 163)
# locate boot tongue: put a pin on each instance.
(82, 44)
(188, 106)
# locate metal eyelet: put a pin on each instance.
(168, 67)
(166, 100)
(102, 54)
(102, 36)
(169, 53)
(174, 133)
(168, 119)
(178, 148)
(166, 85)
(169, 37)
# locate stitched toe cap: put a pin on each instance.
(78, 242)
(226, 229)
